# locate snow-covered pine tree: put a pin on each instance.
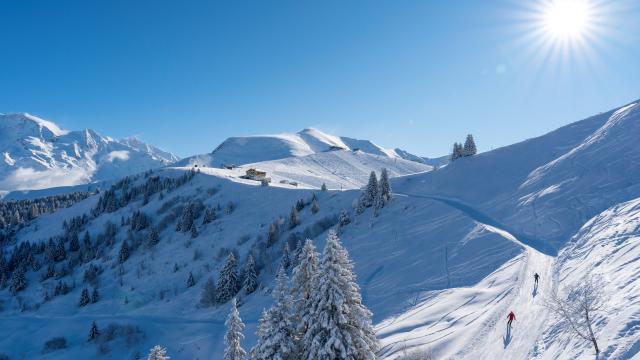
(371, 190)
(228, 280)
(158, 353)
(84, 298)
(294, 218)
(344, 219)
(456, 153)
(209, 216)
(338, 324)
(93, 332)
(123, 255)
(208, 295)
(18, 280)
(191, 281)
(314, 206)
(95, 296)
(250, 279)
(286, 260)
(232, 349)
(186, 220)
(378, 203)
(302, 287)
(74, 243)
(385, 187)
(60, 253)
(154, 237)
(469, 146)
(276, 335)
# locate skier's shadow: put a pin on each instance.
(535, 290)
(506, 339)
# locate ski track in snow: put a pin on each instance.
(478, 321)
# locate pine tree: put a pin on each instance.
(233, 350)
(153, 238)
(385, 187)
(273, 233)
(276, 335)
(209, 216)
(74, 244)
(190, 280)
(95, 296)
(228, 281)
(469, 146)
(378, 203)
(60, 253)
(186, 220)
(338, 324)
(301, 284)
(18, 280)
(343, 219)
(457, 152)
(208, 295)
(123, 255)
(93, 332)
(294, 218)
(250, 281)
(286, 260)
(158, 353)
(370, 191)
(314, 206)
(323, 187)
(84, 298)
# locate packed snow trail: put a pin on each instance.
(486, 219)
(471, 323)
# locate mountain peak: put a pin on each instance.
(42, 123)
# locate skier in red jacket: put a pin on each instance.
(511, 318)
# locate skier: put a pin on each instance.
(511, 318)
(536, 277)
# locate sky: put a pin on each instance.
(418, 75)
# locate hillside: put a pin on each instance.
(253, 149)
(440, 265)
(38, 154)
(338, 170)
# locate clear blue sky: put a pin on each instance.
(184, 75)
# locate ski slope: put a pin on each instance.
(440, 266)
(470, 322)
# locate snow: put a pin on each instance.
(253, 149)
(342, 169)
(36, 150)
(440, 267)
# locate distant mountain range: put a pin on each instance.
(38, 154)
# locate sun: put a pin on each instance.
(567, 19)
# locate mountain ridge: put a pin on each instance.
(37, 154)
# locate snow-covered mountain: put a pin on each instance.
(340, 169)
(252, 149)
(440, 265)
(38, 154)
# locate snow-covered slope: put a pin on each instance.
(37, 154)
(547, 187)
(440, 266)
(341, 169)
(252, 149)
